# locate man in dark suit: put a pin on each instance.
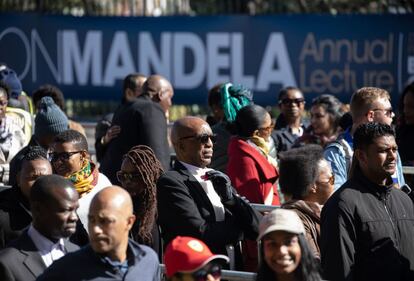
(196, 201)
(53, 201)
(15, 214)
(142, 121)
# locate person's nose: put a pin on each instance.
(73, 216)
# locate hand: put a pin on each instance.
(112, 133)
(222, 185)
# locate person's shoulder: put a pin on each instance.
(145, 251)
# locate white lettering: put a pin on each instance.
(217, 61)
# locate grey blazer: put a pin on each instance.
(21, 261)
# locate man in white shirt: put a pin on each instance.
(53, 202)
(197, 201)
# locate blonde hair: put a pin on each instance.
(363, 99)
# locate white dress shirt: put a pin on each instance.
(208, 187)
(48, 250)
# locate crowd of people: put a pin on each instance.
(343, 209)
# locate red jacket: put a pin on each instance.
(250, 172)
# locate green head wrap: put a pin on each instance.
(233, 98)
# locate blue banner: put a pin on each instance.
(87, 57)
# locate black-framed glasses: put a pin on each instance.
(63, 156)
(287, 101)
(123, 177)
(203, 138)
(387, 112)
(201, 275)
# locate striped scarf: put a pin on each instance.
(85, 179)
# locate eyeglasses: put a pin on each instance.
(203, 138)
(63, 156)
(271, 127)
(387, 112)
(331, 180)
(3, 102)
(201, 275)
(123, 177)
(287, 101)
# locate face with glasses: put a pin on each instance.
(66, 158)
(210, 272)
(194, 145)
(381, 112)
(130, 178)
(3, 103)
(292, 104)
(266, 127)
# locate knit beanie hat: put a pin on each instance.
(8, 76)
(50, 119)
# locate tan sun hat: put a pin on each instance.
(282, 220)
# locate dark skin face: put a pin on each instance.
(164, 91)
(56, 218)
(134, 187)
(67, 167)
(188, 148)
(30, 171)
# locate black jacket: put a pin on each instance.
(367, 233)
(14, 215)
(142, 122)
(184, 209)
(21, 260)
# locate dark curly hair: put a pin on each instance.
(145, 203)
(72, 136)
(366, 133)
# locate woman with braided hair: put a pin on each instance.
(139, 173)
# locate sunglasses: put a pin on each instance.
(123, 177)
(287, 101)
(63, 156)
(201, 275)
(203, 138)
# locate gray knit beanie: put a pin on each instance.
(50, 119)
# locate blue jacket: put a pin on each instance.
(85, 264)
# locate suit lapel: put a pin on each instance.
(33, 261)
(195, 188)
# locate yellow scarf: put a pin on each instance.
(261, 144)
(85, 179)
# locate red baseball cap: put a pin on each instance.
(187, 254)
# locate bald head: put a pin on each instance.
(159, 89)
(114, 197)
(192, 140)
(110, 219)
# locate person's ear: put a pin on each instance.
(256, 133)
(313, 188)
(130, 221)
(370, 116)
(360, 156)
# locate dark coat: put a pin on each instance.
(142, 122)
(86, 265)
(184, 209)
(14, 215)
(367, 232)
(284, 139)
(21, 261)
